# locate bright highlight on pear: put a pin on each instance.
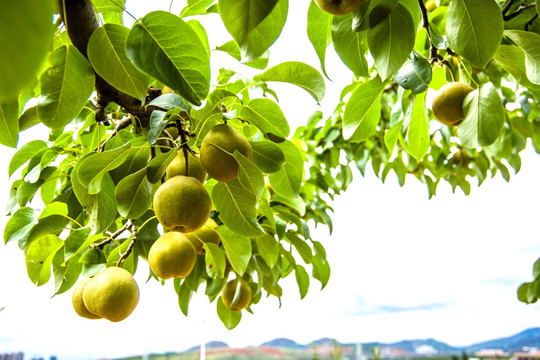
(182, 204)
(447, 105)
(112, 294)
(172, 255)
(217, 151)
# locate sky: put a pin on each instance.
(403, 266)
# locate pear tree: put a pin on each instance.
(128, 110)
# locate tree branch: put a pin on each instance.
(519, 10)
(81, 21)
(134, 238)
(433, 52)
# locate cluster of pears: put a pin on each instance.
(111, 294)
(183, 206)
(447, 105)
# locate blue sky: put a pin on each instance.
(403, 266)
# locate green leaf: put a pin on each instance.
(484, 117)
(288, 180)
(102, 207)
(319, 24)
(158, 166)
(77, 241)
(474, 29)
(54, 208)
(158, 121)
(195, 7)
(27, 23)
(232, 49)
(237, 247)
(184, 298)
(237, 208)
(268, 249)
(536, 269)
(254, 24)
(94, 260)
(25, 153)
(321, 270)
(418, 131)
(512, 59)
(301, 246)
(107, 55)
(267, 155)
(93, 168)
(20, 224)
(9, 121)
(363, 111)
(299, 74)
(415, 74)
(65, 87)
(391, 40)
(39, 257)
(169, 102)
(296, 203)
(164, 46)
(350, 46)
(267, 116)
(302, 279)
(529, 42)
(214, 259)
(133, 195)
(249, 176)
(65, 273)
(229, 318)
(103, 6)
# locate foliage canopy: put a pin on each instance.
(120, 103)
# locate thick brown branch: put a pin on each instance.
(81, 22)
(433, 54)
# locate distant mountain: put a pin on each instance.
(529, 337)
(283, 343)
(210, 345)
(514, 343)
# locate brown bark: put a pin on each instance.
(81, 21)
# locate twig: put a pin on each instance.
(112, 236)
(118, 125)
(433, 52)
(507, 7)
(529, 23)
(519, 10)
(134, 238)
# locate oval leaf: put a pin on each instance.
(349, 45)
(164, 46)
(299, 74)
(107, 54)
(9, 121)
(414, 75)
(484, 117)
(254, 24)
(133, 195)
(267, 116)
(530, 43)
(391, 40)
(363, 111)
(267, 155)
(236, 207)
(288, 180)
(319, 25)
(474, 29)
(65, 87)
(238, 249)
